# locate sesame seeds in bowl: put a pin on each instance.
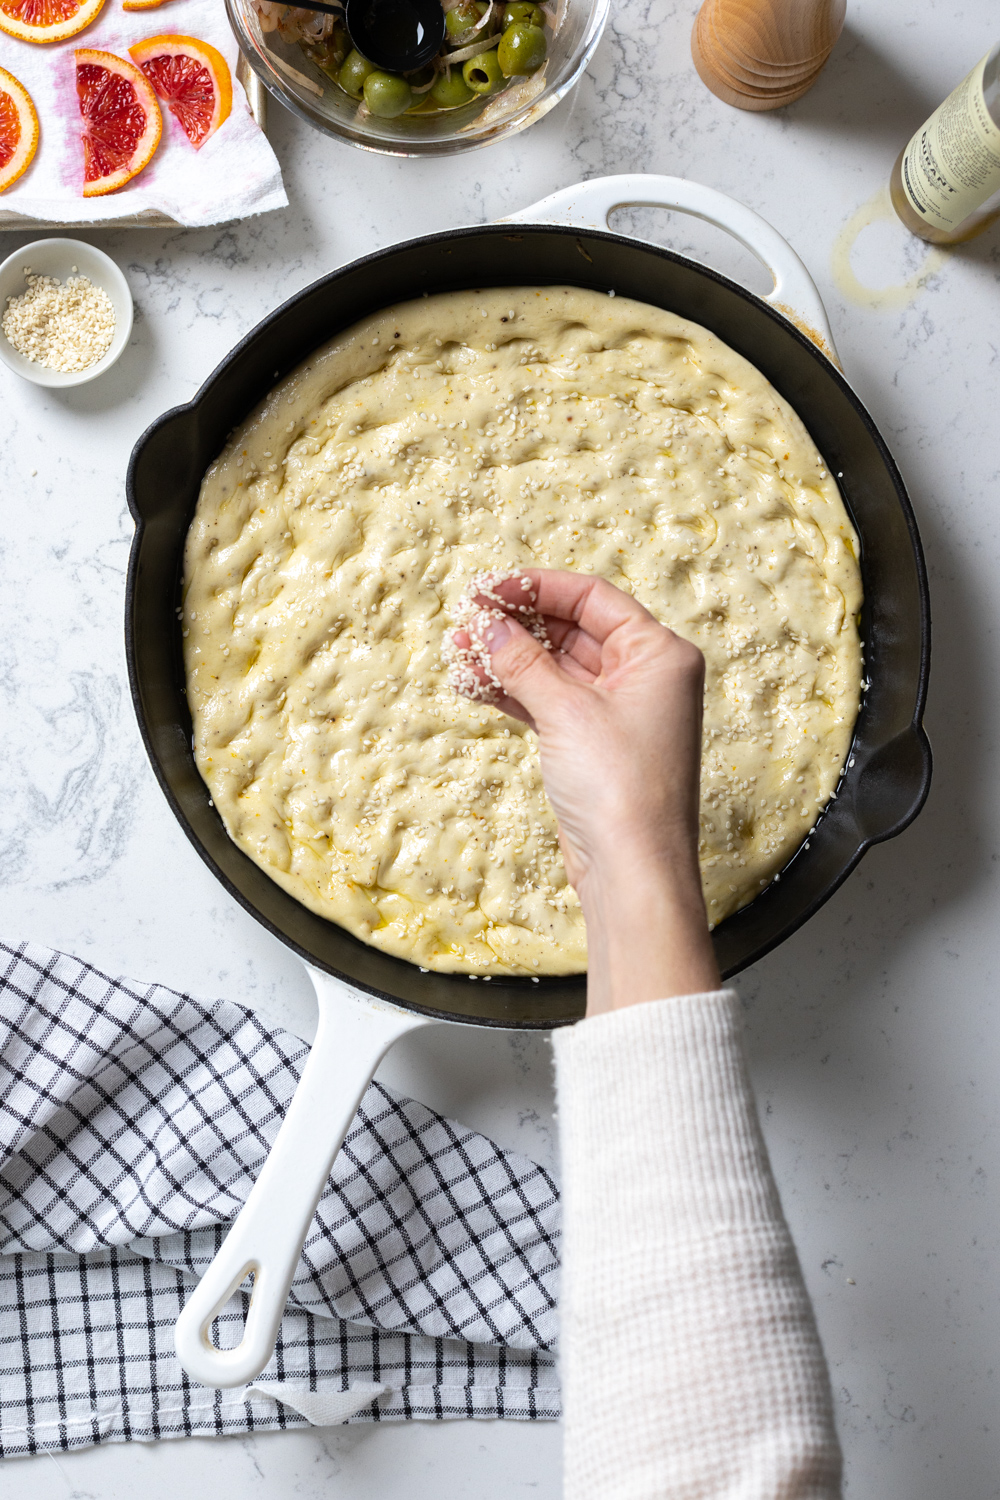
(65, 312)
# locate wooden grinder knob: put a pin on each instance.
(761, 54)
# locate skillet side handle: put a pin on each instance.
(590, 204)
(354, 1035)
(893, 785)
(163, 461)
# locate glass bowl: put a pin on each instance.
(288, 73)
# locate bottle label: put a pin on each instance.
(952, 164)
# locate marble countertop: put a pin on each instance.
(874, 1032)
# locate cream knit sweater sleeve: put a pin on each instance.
(691, 1365)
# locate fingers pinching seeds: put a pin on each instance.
(583, 626)
(560, 600)
(498, 616)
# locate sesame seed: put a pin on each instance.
(63, 327)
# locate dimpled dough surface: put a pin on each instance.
(551, 427)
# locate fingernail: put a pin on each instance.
(496, 635)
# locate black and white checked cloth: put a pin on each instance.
(133, 1121)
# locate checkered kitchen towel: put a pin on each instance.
(133, 1121)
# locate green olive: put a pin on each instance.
(451, 89)
(421, 77)
(354, 72)
(483, 74)
(522, 12)
(522, 49)
(387, 95)
(463, 17)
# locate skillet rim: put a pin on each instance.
(519, 231)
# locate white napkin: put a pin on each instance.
(234, 175)
(323, 1403)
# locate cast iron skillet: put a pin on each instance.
(890, 765)
(367, 998)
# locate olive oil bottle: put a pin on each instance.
(945, 185)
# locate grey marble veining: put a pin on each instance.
(874, 1034)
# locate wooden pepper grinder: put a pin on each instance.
(761, 54)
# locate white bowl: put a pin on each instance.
(60, 258)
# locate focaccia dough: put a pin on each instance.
(551, 427)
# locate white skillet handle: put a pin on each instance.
(590, 204)
(355, 1032)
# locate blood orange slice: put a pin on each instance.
(18, 129)
(191, 78)
(142, 4)
(121, 120)
(46, 20)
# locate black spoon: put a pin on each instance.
(397, 35)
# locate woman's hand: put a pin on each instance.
(617, 706)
